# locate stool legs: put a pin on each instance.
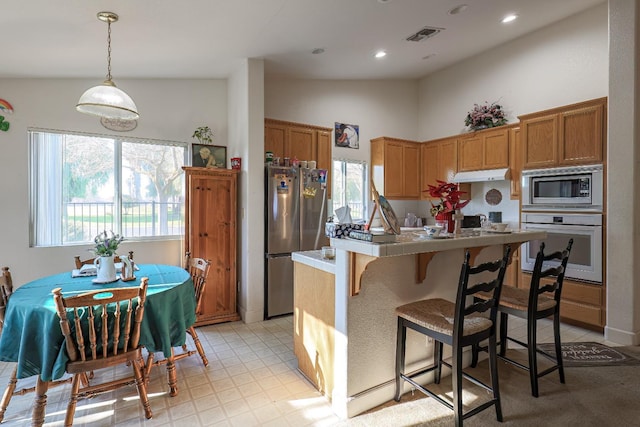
(456, 375)
(401, 337)
(532, 350)
(437, 359)
(493, 367)
(556, 336)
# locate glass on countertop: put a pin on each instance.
(328, 252)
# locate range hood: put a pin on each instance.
(482, 176)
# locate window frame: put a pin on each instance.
(33, 158)
(365, 185)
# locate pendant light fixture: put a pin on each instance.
(106, 100)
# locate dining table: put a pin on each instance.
(31, 335)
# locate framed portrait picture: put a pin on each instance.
(347, 135)
(209, 156)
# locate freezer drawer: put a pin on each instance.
(279, 286)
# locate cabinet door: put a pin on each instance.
(429, 169)
(496, 149)
(411, 171)
(324, 156)
(581, 136)
(393, 167)
(515, 162)
(302, 144)
(448, 157)
(274, 139)
(471, 153)
(540, 142)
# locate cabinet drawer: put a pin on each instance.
(581, 313)
(587, 294)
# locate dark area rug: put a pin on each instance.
(591, 354)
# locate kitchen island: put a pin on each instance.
(344, 318)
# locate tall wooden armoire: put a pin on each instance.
(211, 233)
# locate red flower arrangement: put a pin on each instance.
(449, 196)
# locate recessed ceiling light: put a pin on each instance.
(384, 1)
(509, 18)
(317, 51)
(458, 9)
(380, 54)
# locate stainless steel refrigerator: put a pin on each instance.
(295, 214)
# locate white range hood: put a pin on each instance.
(483, 176)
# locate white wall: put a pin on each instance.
(623, 175)
(169, 109)
(380, 108)
(564, 63)
(246, 124)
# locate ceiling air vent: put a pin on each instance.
(424, 33)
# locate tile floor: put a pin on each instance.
(251, 380)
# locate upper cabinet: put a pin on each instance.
(485, 149)
(395, 167)
(439, 161)
(515, 162)
(299, 140)
(570, 135)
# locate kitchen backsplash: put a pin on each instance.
(478, 204)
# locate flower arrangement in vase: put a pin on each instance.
(485, 116)
(106, 245)
(450, 202)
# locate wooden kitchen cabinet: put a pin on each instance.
(564, 136)
(439, 161)
(581, 303)
(395, 167)
(515, 162)
(211, 233)
(485, 149)
(299, 140)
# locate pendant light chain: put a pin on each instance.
(109, 49)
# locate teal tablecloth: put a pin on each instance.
(31, 334)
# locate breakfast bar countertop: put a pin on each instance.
(314, 259)
(416, 242)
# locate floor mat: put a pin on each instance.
(590, 354)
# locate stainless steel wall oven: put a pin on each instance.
(585, 261)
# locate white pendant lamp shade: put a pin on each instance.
(106, 100)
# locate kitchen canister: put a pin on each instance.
(236, 163)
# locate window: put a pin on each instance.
(350, 187)
(83, 184)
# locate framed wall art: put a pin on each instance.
(347, 135)
(209, 156)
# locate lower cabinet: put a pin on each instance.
(314, 325)
(582, 303)
(211, 233)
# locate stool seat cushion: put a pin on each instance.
(437, 314)
(518, 299)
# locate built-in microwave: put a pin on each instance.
(568, 188)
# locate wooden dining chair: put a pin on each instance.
(90, 261)
(102, 330)
(6, 289)
(458, 324)
(540, 301)
(198, 268)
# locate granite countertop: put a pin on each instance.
(314, 259)
(417, 242)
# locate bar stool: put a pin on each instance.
(458, 325)
(540, 301)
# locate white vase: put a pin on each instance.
(106, 269)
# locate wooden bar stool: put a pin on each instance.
(458, 325)
(540, 301)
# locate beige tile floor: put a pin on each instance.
(251, 380)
